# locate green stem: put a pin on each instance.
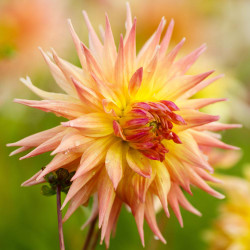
(59, 217)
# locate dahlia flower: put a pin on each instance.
(132, 134)
(231, 230)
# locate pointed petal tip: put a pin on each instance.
(12, 153)
(220, 196)
(65, 124)
(171, 21)
(16, 100)
(64, 203)
(199, 213)
(40, 176)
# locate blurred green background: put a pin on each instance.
(28, 219)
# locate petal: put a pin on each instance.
(194, 118)
(204, 139)
(77, 44)
(140, 185)
(199, 103)
(58, 161)
(38, 138)
(44, 94)
(93, 66)
(87, 96)
(183, 64)
(61, 108)
(77, 185)
(128, 23)
(150, 217)
(216, 126)
(46, 146)
(32, 181)
(106, 196)
(92, 124)
(147, 51)
(119, 73)
(139, 163)
(114, 162)
(94, 213)
(135, 82)
(113, 219)
(166, 39)
(94, 43)
(200, 86)
(58, 75)
(110, 53)
(179, 85)
(130, 50)
(93, 156)
(162, 184)
(80, 198)
(72, 141)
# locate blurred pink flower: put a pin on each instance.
(24, 25)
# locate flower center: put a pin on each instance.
(146, 124)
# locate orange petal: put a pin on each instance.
(109, 48)
(61, 108)
(78, 184)
(166, 39)
(87, 96)
(198, 103)
(93, 156)
(194, 118)
(200, 86)
(80, 198)
(162, 184)
(135, 82)
(32, 181)
(119, 66)
(186, 62)
(216, 126)
(139, 163)
(94, 43)
(130, 50)
(58, 75)
(77, 44)
(113, 219)
(106, 196)
(44, 94)
(71, 141)
(38, 138)
(92, 124)
(204, 139)
(46, 146)
(114, 162)
(150, 217)
(58, 161)
(147, 51)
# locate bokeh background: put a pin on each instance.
(28, 219)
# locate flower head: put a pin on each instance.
(231, 230)
(132, 135)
